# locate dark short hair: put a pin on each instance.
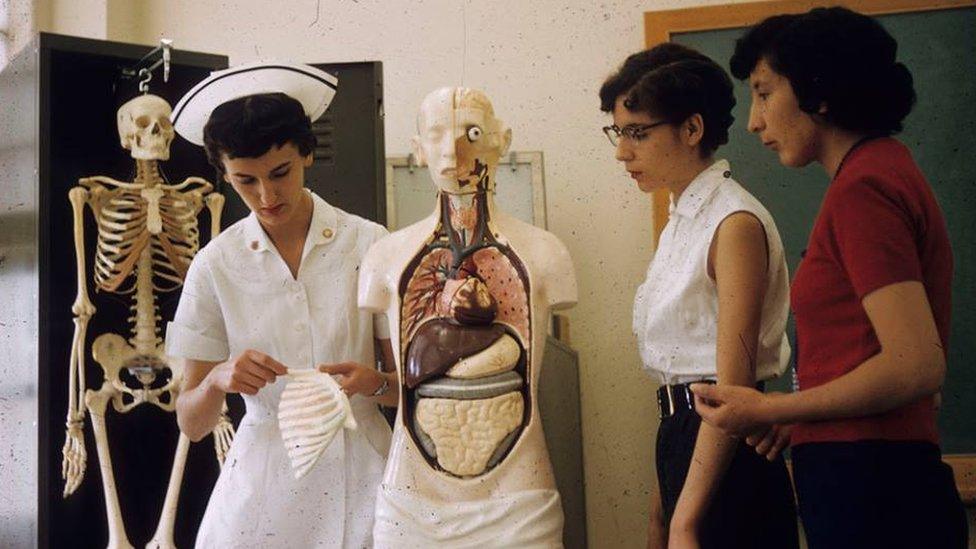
(250, 126)
(834, 57)
(673, 82)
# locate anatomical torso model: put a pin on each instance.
(469, 291)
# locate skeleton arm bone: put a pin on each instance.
(206, 186)
(73, 452)
(215, 203)
(223, 434)
(224, 430)
(107, 181)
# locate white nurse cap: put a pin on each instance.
(311, 87)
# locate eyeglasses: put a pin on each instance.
(632, 132)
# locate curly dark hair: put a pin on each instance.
(834, 57)
(673, 82)
(249, 126)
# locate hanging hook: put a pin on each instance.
(143, 69)
(167, 45)
(145, 75)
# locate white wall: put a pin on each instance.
(76, 17)
(542, 63)
(17, 27)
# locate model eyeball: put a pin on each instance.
(474, 133)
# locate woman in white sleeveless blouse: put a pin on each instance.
(714, 304)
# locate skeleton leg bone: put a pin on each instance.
(163, 538)
(97, 402)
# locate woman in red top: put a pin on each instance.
(871, 296)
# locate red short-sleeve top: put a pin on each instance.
(879, 224)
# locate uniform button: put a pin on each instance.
(299, 326)
(254, 244)
(327, 233)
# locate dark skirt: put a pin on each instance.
(888, 494)
(753, 506)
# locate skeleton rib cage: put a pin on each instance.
(126, 215)
(125, 222)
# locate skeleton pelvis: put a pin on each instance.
(113, 353)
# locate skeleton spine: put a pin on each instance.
(145, 340)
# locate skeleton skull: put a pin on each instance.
(145, 128)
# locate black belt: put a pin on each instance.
(675, 398)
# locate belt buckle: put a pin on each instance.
(670, 412)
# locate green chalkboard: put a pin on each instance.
(939, 47)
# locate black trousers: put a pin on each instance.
(878, 494)
(753, 507)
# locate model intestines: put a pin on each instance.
(465, 327)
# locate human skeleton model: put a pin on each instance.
(469, 290)
(147, 236)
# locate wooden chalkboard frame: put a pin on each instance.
(660, 25)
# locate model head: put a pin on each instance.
(827, 69)
(460, 140)
(672, 108)
(261, 145)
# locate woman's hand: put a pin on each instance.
(248, 373)
(355, 379)
(771, 442)
(739, 411)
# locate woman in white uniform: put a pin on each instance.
(714, 304)
(276, 292)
